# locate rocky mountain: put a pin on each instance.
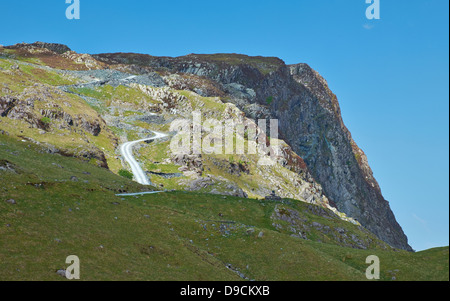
(309, 120)
(133, 94)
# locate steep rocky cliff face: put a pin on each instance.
(309, 120)
(336, 160)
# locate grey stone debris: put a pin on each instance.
(272, 197)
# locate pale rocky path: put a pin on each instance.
(126, 149)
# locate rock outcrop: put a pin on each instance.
(40, 107)
(54, 47)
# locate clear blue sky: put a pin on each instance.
(390, 75)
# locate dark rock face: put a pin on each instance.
(18, 109)
(272, 197)
(5, 165)
(91, 126)
(310, 120)
(336, 161)
(87, 154)
(6, 104)
(191, 162)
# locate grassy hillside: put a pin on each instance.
(60, 170)
(168, 236)
(45, 105)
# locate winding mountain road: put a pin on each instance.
(126, 150)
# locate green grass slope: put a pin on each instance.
(166, 236)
